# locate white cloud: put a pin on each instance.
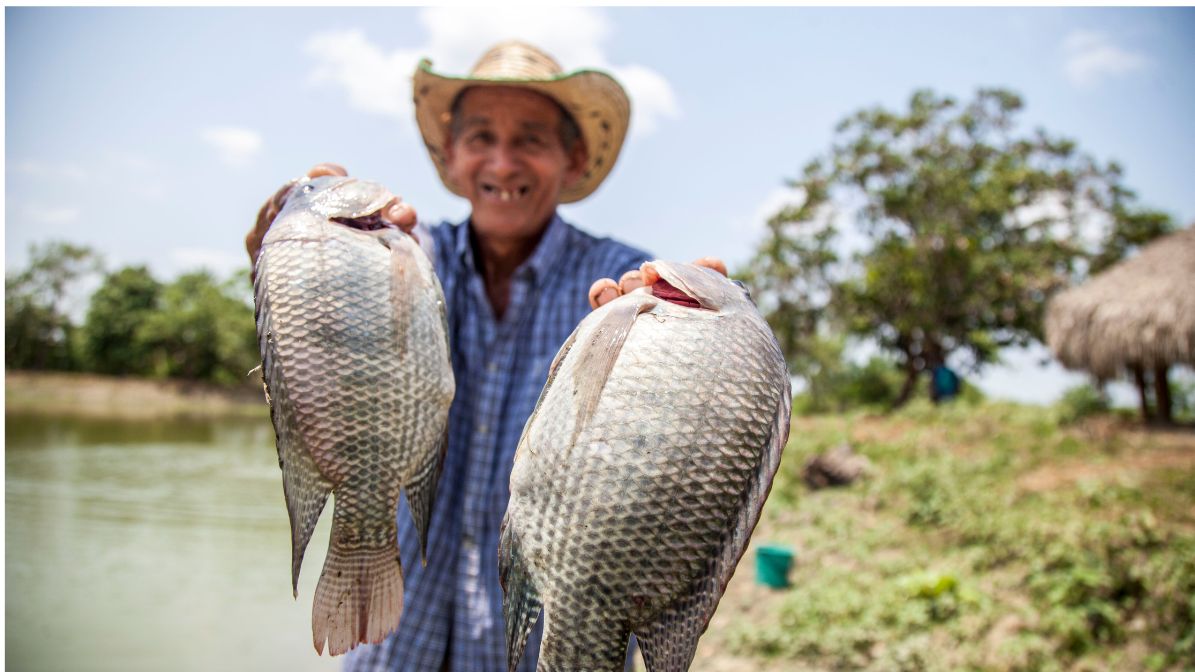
(50, 214)
(651, 97)
(1091, 57)
(457, 36)
(378, 81)
(237, 146)
(773, 202)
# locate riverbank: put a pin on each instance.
(113, 397)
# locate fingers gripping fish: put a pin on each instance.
(642, 472)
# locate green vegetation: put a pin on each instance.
(970, 226)
(988, 537)
(195, 327)
(202, 331)
(834, 384)
(1081, 402)
(38, 332)
(1182, 395)
(112, 340)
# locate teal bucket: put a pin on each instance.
(772, 564)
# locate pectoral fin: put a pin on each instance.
(421, 493)
(597, 355)
(520, 600)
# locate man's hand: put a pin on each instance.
(606, 290)
(396, 212)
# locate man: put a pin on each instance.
(516, 138)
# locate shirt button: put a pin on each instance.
(483, 429)
(492, 367)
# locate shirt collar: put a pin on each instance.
(541, 262)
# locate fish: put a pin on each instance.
(642, 472)
(355, 362)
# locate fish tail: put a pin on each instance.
(360, 592)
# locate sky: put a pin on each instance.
(154, 134)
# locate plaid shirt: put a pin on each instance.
(455, 602)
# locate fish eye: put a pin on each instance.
(307, 188)
(746, 290)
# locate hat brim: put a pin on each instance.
(595, 100)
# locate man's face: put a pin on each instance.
(507, 158)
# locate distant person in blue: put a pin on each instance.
(516, 137)
(944, 384)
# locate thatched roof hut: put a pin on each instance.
(1137, 316)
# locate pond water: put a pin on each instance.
(152, 546)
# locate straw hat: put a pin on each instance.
(595, 100)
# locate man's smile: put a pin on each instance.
(505, 194)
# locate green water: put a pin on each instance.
(151, 546)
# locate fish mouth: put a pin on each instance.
(371, 222)
(654, 275)
(662, 289)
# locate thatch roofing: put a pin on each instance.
(1138, 312)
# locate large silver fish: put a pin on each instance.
(354, 347)
(642, 472)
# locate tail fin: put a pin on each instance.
(359, 596)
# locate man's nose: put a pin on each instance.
(503, 159)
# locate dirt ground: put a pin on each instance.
(1129, 453)
(128, 398)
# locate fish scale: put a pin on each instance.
(641, 474)
(355, 364)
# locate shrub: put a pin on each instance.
(1080, 402)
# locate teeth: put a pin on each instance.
(506, 195)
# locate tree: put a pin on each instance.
(111, 341)
(971, 226)
(38, 331)
(202, 330)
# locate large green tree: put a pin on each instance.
(38, 332)
(967, 224)
(203, 330)
(111, 335)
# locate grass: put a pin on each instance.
(987, 537)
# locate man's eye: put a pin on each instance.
(480, 138)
